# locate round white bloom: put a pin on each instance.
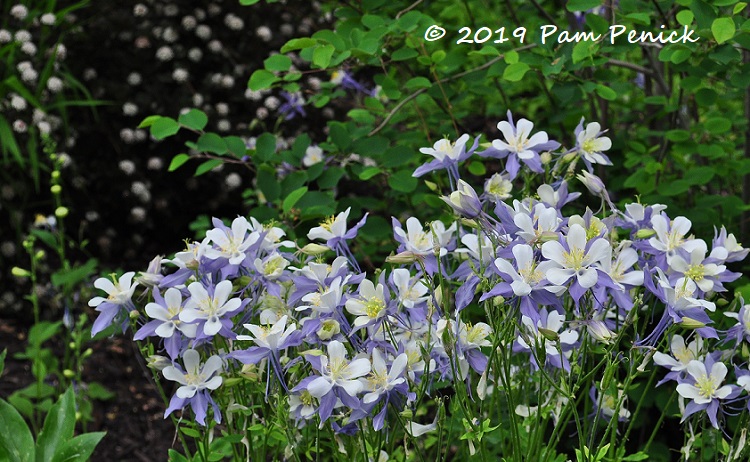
(203, 32)
(44, 127)
(213, 9)
(54, 84)
(138, 213)
(313, 155)
(5, 36)
(48, 19)
(189, 22)
(92, 215)
(89, 74)
(200, 14)
(141, 191)
(140, 134)
(222, 109)
(24, 65)
(234, 22)
(272, 103)
(233, 180)
(197, 99)
(19, 126)
(314, 83)
(264, 33)
(180, 75)
(140, 10)
(227, 81)
(195, 54)
(155, 163)
(286, 29)
(19, 11)
(64, 159)
(170, 35)
(223, 125)
(8, 249)
(253, 95)
(134, 78)
(18, 103)
(28, 48)
(62, 52)
(126, 134)
(127, 166)
(22, 36)
(29, 75)
(215, 46)
(164, 53)
(129, 109)
(261, 113)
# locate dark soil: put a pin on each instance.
(133, 419)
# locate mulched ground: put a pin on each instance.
(133, 419)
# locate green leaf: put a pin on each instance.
(515, 72)
(177, 162)
(175, 456)
(477, 168)
(292, 198)
(417, 83)
(79, 449)
(207, 166)
(583, 50)
(248, 2)
(368, 173)
(236, 146)
(15, 435)
(510, 57)
(322, 56)
(278, 63)
(606, 92)
(718, 125)
(265, 147)
(738, 8)
(193, 119)
(403, 181)
(211, 142)
(70, 277)
(403, 54)
(261, 80)
(164, 127)
(100, 392)
(149, 121)
(298, 44)
(2, 361)
(268, 184)
(582, 5)
(685, 17)
(340, 135)
(58, 427)
(723, 29)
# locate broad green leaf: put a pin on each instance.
(606, 92)
(261, 80)
(79, 449)
(278, 63)
(70, 277)
(164, 127)
(248, 2)
(738, 8)
(265, 147)
(98, 391)
(207, 166)
(268, 184)
(510, 57)
(718, 125)
(416, 83)
(298, 44)
(340, 135)
(322, 56)
(723, 29)
(211, 142)
(175, 456)
(368, 173)
(292, 198)
(685, 17)
(583, 50)
(515, 72)
(15, 435)
(58, 427)
(402, 181)
(582, 5)
(177, 161)
(149, 121)
(193, 119)
(236, 146)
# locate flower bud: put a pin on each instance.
(40, 254)
(314, 249)
(464, 200)
(68, 374)
(55, 189)
(545, 157)
(61, 212)
(87, 353)
(404, 257)
(158, 362)
(593, 183)
(600, 331)
(431, 185)
(231, 381)
(20, 272)
(328, 328)
(645, 233)
(691, 323)
(134, 314)
(55, 174)
(549, 334)
(498, 300)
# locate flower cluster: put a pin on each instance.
(346, 348)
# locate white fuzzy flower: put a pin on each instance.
(19, 11)
(54, 84)
(48, 19)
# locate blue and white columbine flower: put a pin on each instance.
(591, 145)
(703, 387)
(196, 381)
(119, 293)
(210, 308)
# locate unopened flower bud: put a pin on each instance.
(72, 345)
(231, 381)
(691, 323)
(40, 254)
(87, 353)
(328, 328)
(645, 233)
(600, 331)
(314, 249)
(545, 157)
(593, 183)
(431, 185)
(61, 212)
(55, 174)
(403, 257)
(549, 334)
(68, 374)
(407, 414)
(498, 300)
(158, 362)
(55, 189)
(134, 314)
(20, 272)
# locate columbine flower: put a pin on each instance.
(165, 313)
(498, 187)
(726, 248)
(411, 291)
(464, 200)
(119, 293)
(682, 354)
(334, 231)
(447, 155)
(337, 379)
(414, 239)
(605, 404)
(232, 242)
(293, 107)
(703, 387)
(369, 307)
(542, 333)
(706, 275)
(382, 383)
(590, 144)
(313, 155)
(520, 146)
(671, 235)
(196, 381)
(576, 258)
(210, 308)
(741, 330)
